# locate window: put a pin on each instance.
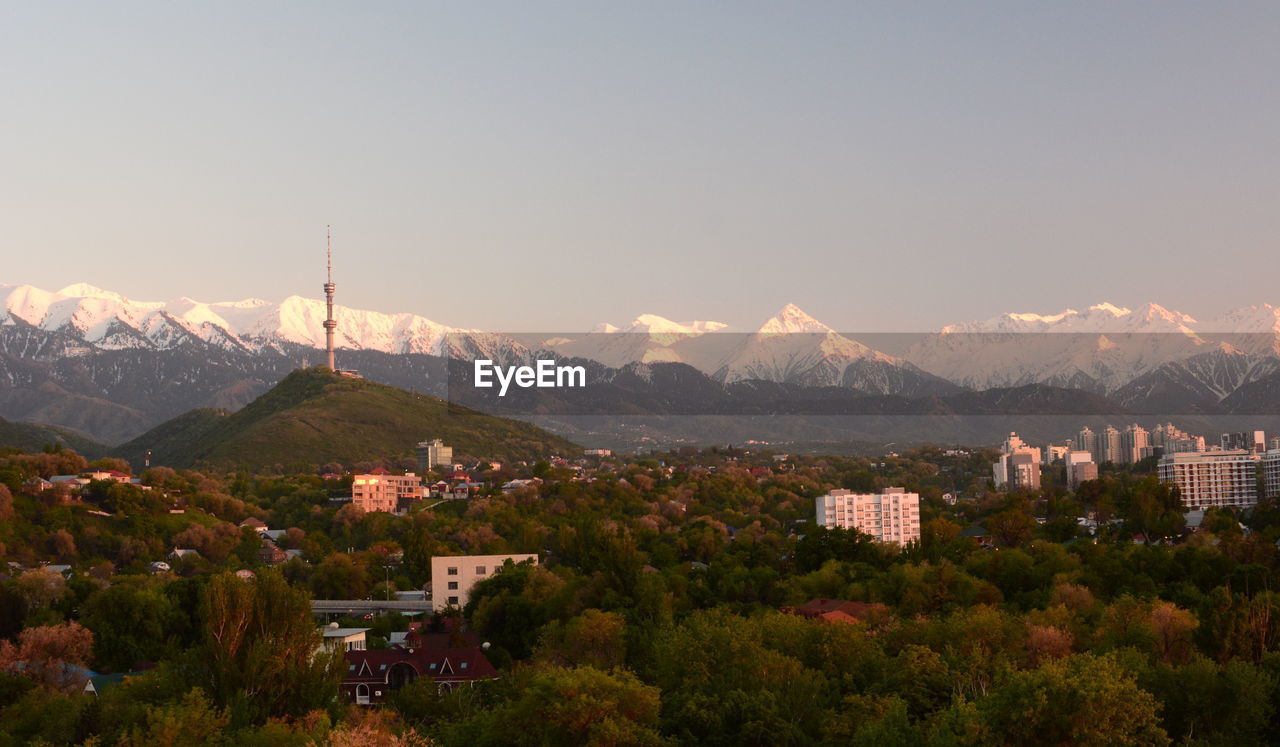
(464, 665)
(453, 600)
(453, 586)
(479, 570)
(453, 571)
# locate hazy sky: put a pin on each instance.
(537, 165)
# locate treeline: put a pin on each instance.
(656, 614)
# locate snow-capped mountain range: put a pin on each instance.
(1103, 348)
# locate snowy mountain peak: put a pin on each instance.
(1112, 309)
(793, 320)
(660, 325)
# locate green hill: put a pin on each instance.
(34, 437)
(314, 416)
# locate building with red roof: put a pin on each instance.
(449, 660)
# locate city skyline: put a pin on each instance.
(565, 165)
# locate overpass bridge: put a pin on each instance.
(360, 607)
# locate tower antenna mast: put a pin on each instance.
(330, 324)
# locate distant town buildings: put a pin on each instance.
(892, 515)
(1080, 468)
(383, 491)
(433, 454)
(1255, 441)
(452, 576)
(1212, 478)
(597, 452)
(1018, 466)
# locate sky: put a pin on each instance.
(547, 166)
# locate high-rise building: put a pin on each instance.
(453, 576)
(433, 454)
(1080, 467)
(1212, 478)
(382, 491)
(1173, 440)
(1255, 441)
(1087, 440)
(1109, 449)
(1135, 444)
(1018, 466)
(1271, 473)
(892, 515)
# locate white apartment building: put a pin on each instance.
(381, 491)
(1080, 468)
(1212, 478)
(1271, 473)
(1018, 466)
(892, 515)
(452, 576)
(433, 454)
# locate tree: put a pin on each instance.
(1082, 699)
(1152, 508)
(583, 706)
(258, 655)
(339, 577)
(594, 638)
(50, 655)
(130, 621)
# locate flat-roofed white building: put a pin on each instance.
(892, 515)
(452, 576)
(1212, 478)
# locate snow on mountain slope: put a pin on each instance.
(794, 347)
(1101, 348)
(109, 321)
(649, 338)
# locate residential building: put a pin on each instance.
(892, 515)
(383, 491)
(373, 675)
(1056, 453)
(1109, 447)
(1080, 467)
(1271, 473)
(1018, 466)
(1255, 441)
(1135, 444)
(452, 576)
(344, 639)
(1172, 440)
(433, 454)
(840, 611)
(1212, 478)
(1087, 440)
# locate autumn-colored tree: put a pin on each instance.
(1045, 642)
(53, 656)
(594, 638)
(1171, 628)
(6, 503)
(259, 651)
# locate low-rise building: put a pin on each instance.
(382, 491)
(452, 576)
(448, 660)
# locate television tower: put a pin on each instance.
(329, 323)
